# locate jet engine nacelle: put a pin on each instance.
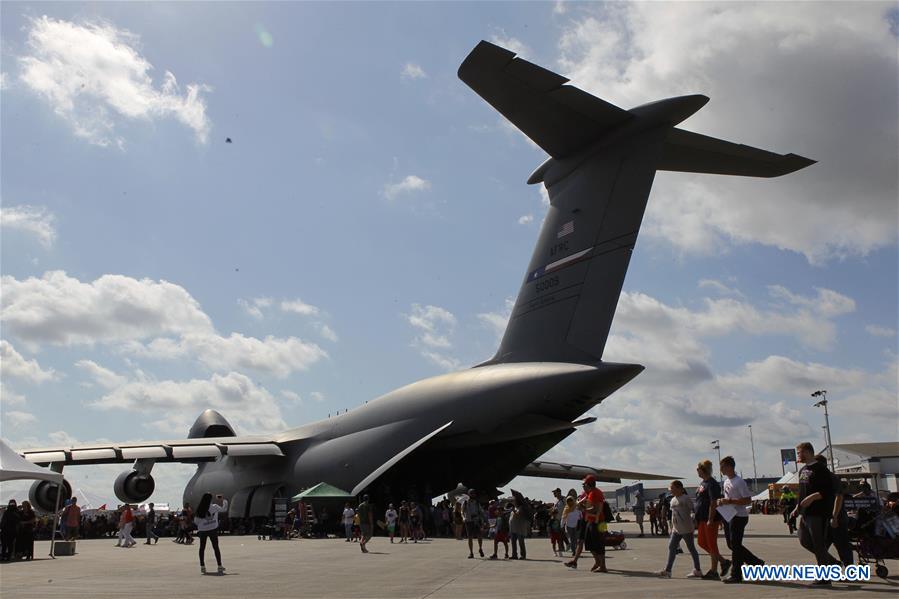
(42, 495)
(134, 487)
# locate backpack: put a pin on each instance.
(606, 512)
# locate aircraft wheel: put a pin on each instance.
(881, 571)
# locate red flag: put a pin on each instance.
(102, 507)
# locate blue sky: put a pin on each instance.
(370, 222)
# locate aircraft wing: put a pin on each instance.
(603, 475)
(181, 450)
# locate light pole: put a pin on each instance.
(716, 444)
(822, 393)
(755, 474)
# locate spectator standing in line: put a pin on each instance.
(416, 522)
(708, 520)
(520, 525)
(682, 528)
(348, 513)
(559, 506)
(391, 516)
(150, 522)
(9, 530)
(207, 522)
(189, 524)
(816, 500)
(72, 517)
(26, 532)
(502, 530)
(639, 510)
(737, 494)
(474, 518)
(458, 521)
(366, 523)
(404, 520)
(653, 518)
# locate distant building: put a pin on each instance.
(877, 462)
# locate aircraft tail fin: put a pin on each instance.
(603, 163)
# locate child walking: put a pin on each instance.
(681, 529)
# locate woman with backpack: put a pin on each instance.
(207, 522)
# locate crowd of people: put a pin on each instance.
(573, 522)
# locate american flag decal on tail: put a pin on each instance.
(566, 229)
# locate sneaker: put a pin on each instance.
(481, 551)
(725, 566)
(221, 569)
(664, 574)
(471, 556)
(695, 574)
(571, 564)
(711, 575)
(732, 580)
(493, 556)
(202, 569)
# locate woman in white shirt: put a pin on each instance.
(571, 515)
(207, 520)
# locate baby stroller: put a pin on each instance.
(615, 539)
(875, 537)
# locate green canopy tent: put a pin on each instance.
(322, 491)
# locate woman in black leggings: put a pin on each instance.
(207, 521)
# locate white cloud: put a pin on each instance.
(559, 7)
(772, 84)
(435, 327)
(272, 355)
(291, 397)
(879, 331)
(410, 184)
(497, 321)
(510, 43)
(17, 418)
(327, 332)
(254, 306)
(8, 397)
(102, 376)
(828, 303)
(317, 396)
(789, 376)
(413, 71)
(526, 219)
(175, 404)
(297, 306)
(61, 310)
(719, 287)
(13, 364)
(93, 76)
(4, 81)
(34, 220)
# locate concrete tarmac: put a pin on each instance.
(433, 569)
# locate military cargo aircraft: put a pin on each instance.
(487, 424)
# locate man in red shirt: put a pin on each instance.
(591, 503)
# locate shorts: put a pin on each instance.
(594, 540)
(473, 529)
(391, 527)
(639, 516)
(707, 537)
(581, 530)
(554, 537)
(501, 537)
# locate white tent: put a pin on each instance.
(15, 467)
(790, 478)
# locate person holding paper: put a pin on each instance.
(735, 502)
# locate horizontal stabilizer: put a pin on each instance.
(689, 152)
(559, 118)
(604, 475)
